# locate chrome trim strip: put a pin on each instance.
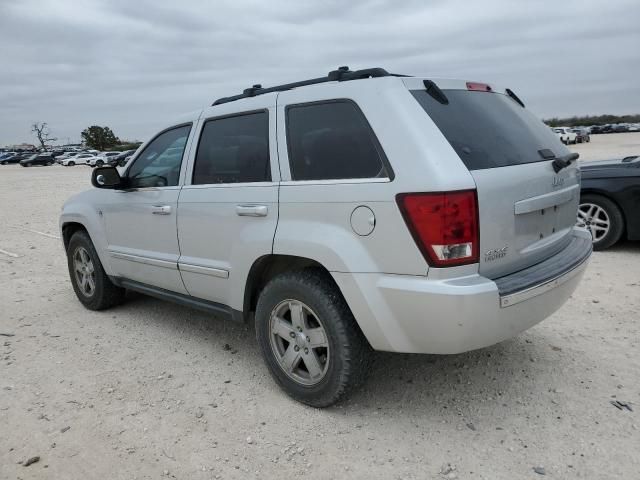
(547, 200)
(144, 260)
(341, 181)
(526, 294)
(214, 272)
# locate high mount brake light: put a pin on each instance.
(479, 87)
(444, 225)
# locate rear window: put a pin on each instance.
(489, 130)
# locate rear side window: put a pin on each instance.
(489, 130)
(332, 140)
(234, 150)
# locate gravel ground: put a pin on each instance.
(611, 145)
(154, 390)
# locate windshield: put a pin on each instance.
(489, 130)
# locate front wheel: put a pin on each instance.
(93, 287)
(71, 164)
(602, 218)
(309, 338)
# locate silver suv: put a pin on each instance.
(343, 214)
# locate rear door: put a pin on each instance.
(526, 210)
(228, 209)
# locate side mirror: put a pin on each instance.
(106, 177)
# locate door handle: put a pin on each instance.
(252, 210)
(161, 209)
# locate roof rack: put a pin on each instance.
(342, 74)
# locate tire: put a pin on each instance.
(49, 164)
(99, 163)
(71, 164)
(4, 163)
(347, 353)
(103, 294)
(596, 207)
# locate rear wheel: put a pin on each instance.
(602, 218)
(4, 163)
(309, 338)
(93, 287)
(71, 163)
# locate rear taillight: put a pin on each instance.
(444, 225)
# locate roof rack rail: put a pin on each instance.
(342, 74)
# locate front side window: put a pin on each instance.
(332, 140)
(234, 150)
(159, 163)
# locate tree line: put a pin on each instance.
(588, 120)
(95, 137)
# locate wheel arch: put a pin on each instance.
(267, 267)
(68, 229)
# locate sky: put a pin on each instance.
(134, 65)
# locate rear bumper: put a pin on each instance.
(411, 314)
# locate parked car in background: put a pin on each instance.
(368, 211)
(66, 156)
(610, 200)
(108, 156)
(620, 128)
(81, 159)
(634, 128)
(38, 159)
(120, 159)
(68, 161)
(565, 134)
(97, 160)
(582, 135)
(10, 157)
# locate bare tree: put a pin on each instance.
(41, 130)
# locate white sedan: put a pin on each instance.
(79, 159)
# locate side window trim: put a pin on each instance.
(201, 129)
(378, 146)
(150, 141)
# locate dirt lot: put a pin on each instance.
(612, 145)
(153, 390)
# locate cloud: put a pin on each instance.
(135, 65)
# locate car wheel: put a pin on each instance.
(71, 164)
(311, 343)
(602, 218)
(4, 163)
(49, 164)
(93, 287)
(27, 164)
(99, 163)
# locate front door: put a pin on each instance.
(228, 208)
(141, 221)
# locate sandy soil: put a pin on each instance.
(608, 146)
(153, 390)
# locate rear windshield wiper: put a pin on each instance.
(563, 162)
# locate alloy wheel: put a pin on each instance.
(299, 342)
(84, 272)
(595, 219)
